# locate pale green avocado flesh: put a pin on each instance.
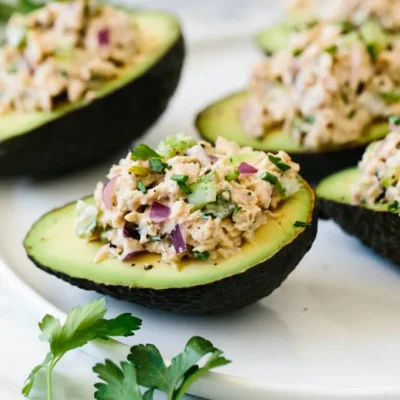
(160, 32)
(52, 243)
(338, 187)
(222, 119)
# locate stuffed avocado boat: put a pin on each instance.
(77, 79)
(304, 14)
(187, 227)
(321, 99)
(365, 201)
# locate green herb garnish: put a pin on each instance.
(297, 52)
(309, 119)
(83, 324)
(394, 206)
(390, 97)
(201, 255)
(301, 224)
(157, 165)
(235, 211)
(185, 188)
(278, 163)
(346, 26)
(232, 175)
(331, 49)
(145, 366)
(143, 152)
(372, 51)
(180, 178)
(271, 178)
(394, 120)
(141, 187)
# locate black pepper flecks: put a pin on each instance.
(147, 267)
(112, 246)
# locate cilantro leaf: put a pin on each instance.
(157, 165)
(394, 120)
(183, 371)
(120, 383)
(143, 152)
(82, 325)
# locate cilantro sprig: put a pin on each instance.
(144, 152)
(83, 324)
(147, 368)
(144, 367)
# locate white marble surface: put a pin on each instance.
(20, 351)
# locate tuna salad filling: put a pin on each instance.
(62, 53)
(327, 87)
(379, 182)
(186, 199)
(385, 12)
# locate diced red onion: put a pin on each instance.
(177, 240)
(103, 37)
(395, 128)
(109, 192)
(246, 169)
(159, 212)
(213, 158)
(130, 255)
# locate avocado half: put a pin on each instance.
(197, 287)
(222, 119)
(87, 132)
(376, 227)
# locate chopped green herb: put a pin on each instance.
(301, 224)
(390, 97)
(141, 187)
(372, 52)
(394, 120)
(346, 26)
(309, 119)
(143, 152)
(235, 211)
(352, 113)
(394, 206)
(139, 171)
(180, 178)
(297, 52)
(331, 49)
(271, 178)
(157, 165)
(201, 255)
(278, 163)
(232, 175)
(174, 145)
(185, 188)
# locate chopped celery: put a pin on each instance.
(137, 170)
(16, 36)
(242, 157)
(86, 220)
(175, 145)
(391, 97)
(373, 35)
(202, 193)
(219, 209)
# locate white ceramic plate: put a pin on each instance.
(331, 332)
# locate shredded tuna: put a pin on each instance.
(213, 229)
(56, 54)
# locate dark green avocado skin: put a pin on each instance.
(226, 295)
(316, 166)
(94, 133)
(377, 230)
